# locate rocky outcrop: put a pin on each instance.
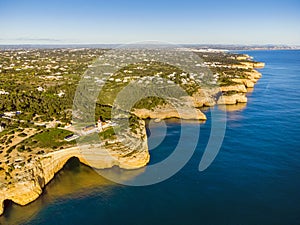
(42, 169)
(232, 99)
(248, 83)
(232, 108)
(205, 97)
(236, 88)
(167, 111)
(253, 75)
(256, 65)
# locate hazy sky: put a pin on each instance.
(117, 21)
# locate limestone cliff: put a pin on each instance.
(167, 111)
(248, 83)
(236, 88)
(257, 65)
(205, 97)
(232, 99)
(36, 174)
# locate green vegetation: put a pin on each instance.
(166, 72)
(89, 139)
(54, 70)
(22, 135)
(221, 57)
(149, 102)
(109, 133)
(103, 112)
(133, 123)
(230, 93)
(49, 138)
(10, 149)
(40, 86)
(225, 81)
(34, 78)
(21, 148)
(11, 168)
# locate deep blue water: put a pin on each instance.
(255, 178)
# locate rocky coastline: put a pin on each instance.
(43, 168)
(38, 173)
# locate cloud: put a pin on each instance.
(30, 39)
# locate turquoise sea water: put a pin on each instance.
(255, 178)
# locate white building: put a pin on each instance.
(71, 137)
(3, 92)
(89, 129)
(61, 93)
(40, 89)
(10, 114)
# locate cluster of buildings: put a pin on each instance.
(10, 114)
(123, 57)
(94, 128)
(98, 127)
(44, 61)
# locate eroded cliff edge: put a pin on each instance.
(230, 94)
(28, 185)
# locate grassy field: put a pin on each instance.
(49, 138)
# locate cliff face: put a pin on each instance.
(249, 83)
(205, 97)
(224, 95)
(167, 111)
(256, 65)
(240, 88)
(237, 88)
(41, 170)
(37, 173)
(232, 99)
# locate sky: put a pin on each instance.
(180, 22)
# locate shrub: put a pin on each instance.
(21, 148)
(22, 134)
(10, 150)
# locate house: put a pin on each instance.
(61, 93)
(19, 159)
(3, 92)
(10, 114)
(17, 166)
(68, 125)
(103, 125)
(89, 129)
(40, 89)
(71, 137)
